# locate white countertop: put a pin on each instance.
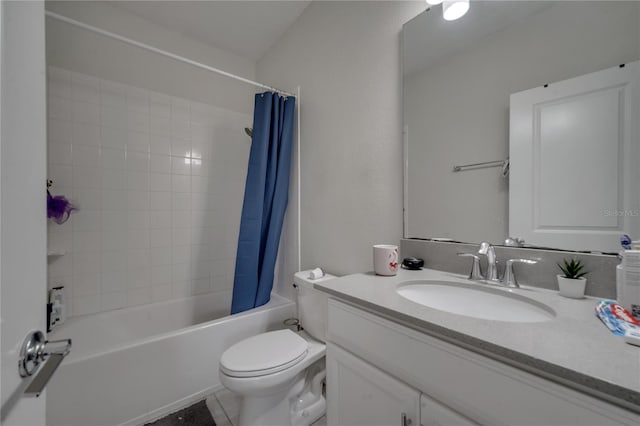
(575, 347)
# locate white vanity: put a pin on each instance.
(395, 361)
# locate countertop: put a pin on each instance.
(574, 348)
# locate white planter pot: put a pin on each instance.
(572, 288)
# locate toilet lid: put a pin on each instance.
(266, 353)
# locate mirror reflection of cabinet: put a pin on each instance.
(574, 160)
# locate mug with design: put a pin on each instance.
(385, 259)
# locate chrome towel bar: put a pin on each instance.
(475, 166)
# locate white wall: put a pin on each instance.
(159, 182)
(457, 111)
(76, 49)
(346, 58)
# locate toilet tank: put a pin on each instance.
(312, 304)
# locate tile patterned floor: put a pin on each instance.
(195, 415)
(220, 409)
(225, 406)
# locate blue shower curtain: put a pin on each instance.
(265, 200)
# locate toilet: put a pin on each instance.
(279, 374)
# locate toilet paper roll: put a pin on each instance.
(315, 274)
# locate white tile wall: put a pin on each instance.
(159, 182)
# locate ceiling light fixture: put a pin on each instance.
(454, 9)
(434, 2)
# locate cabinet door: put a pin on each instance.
(433, 413)
(359, 394)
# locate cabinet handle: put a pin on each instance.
(405, 421)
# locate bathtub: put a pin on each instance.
(135, 365)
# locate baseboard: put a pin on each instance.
(172, 407)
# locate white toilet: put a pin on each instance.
(279, 374)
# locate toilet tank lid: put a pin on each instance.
(303, 279)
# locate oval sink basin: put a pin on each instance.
(475, 301)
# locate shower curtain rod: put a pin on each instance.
(161, 52)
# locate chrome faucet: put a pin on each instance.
(487, 250)
(509, 277)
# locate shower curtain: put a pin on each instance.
(265, 200)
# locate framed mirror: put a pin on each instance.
(459, 81)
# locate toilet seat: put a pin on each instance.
(264, 354)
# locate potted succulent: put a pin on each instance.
(572, 281)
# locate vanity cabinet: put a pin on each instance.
(432, 413)
(378, 369)
(361, 394)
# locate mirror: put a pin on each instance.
(458, 78)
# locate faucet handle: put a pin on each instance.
(484, 247)
(476, 271)
(510, 275)
(514, 242)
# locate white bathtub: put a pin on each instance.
(137, 364)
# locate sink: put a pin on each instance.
(473, 300)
